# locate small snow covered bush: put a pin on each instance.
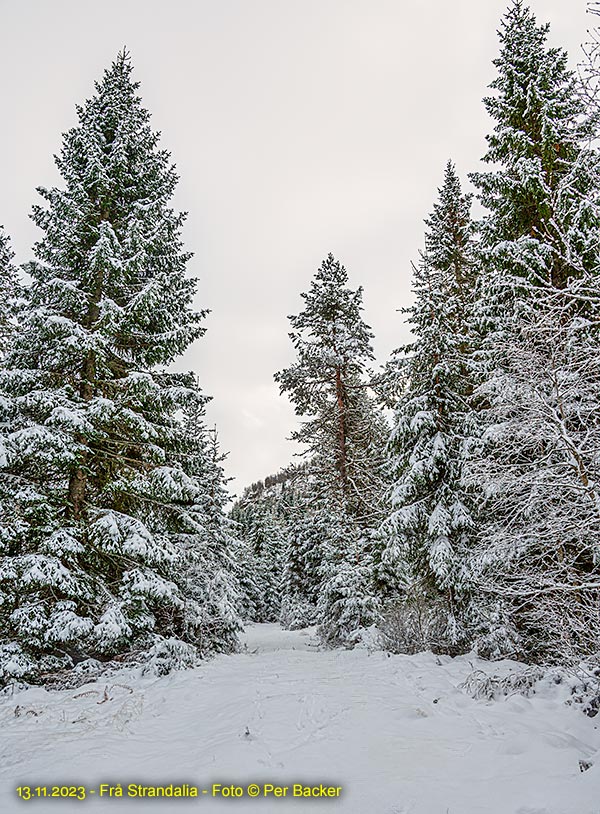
(15, 663)
(346, 606)
(416, 623)
(168, 655)
(577, 685)
(496, 634)
(583, 681)
(480, 685)
(297, 613)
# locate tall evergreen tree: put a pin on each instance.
(344, 435)
(540, 194)
(343, 431)
(430, 525)
(89, 414)
(539, 315)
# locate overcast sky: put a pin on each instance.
(298, 127)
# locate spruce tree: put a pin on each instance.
(538, 311)
(305, 564)
(203, 532)
(265, 518)
(265, 535)
(91, 418)
(540, 207)
(424, 540)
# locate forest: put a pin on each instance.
(447, 501)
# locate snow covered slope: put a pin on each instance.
(395, 733)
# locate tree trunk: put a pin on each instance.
(78, 479)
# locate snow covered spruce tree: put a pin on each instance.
(268, 517)
(541, 193)
(260, 524)
(343, 433)
(536, 562)
(211, 572)
(306, 563)
(421, 559)
(187, 503)
(94, 468)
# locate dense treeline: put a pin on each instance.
(479, 526)
(450, 501)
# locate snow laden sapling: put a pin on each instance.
(536, 562)
(420, 560)
(342, 432)
(89, 560)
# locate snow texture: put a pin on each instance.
(398, 733)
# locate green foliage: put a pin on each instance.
(103, 487)
(423, 541)
(343, 433)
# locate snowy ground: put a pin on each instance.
(395, 733)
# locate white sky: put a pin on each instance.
(298, 127)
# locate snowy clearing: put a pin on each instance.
(395, 732)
